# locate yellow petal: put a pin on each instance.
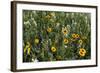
(36, 41)
(49, 30)
(29, 49)
(25, 49)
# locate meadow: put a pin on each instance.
(56, 36)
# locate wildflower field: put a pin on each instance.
(56, 36)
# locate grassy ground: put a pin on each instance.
(56, 36)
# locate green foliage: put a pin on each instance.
(55, 36)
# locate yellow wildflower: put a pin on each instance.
(49, 29)
(64, 31)
(80, 41)
(66, 41)
(82, 52)
(75, 36)
(36, 41)
(53, 49)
